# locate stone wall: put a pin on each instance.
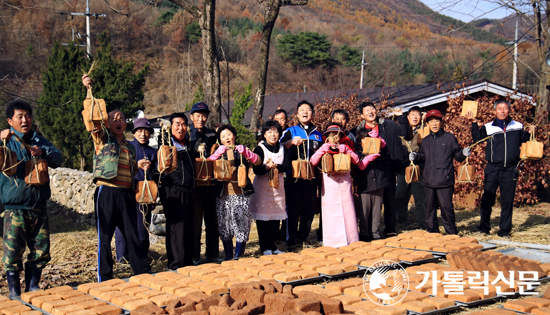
(73, 190)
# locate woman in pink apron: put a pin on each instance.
(339, 219)
(267, 204)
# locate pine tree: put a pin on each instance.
(242, 101)
(60, 104)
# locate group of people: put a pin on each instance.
(273, 197)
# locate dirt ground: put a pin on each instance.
(74, 246)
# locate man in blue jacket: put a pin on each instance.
(25, 217)
(502, 155)
(302, 140)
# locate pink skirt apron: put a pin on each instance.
(339, 219)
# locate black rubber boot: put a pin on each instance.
(239, 250)
(13, 284)
(32, 278)
(228, 249)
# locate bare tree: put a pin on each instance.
(206, 14)
(535, 14)
(271, 12)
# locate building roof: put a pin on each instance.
(404, 97)
(401, 96)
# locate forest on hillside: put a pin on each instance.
(314, 47)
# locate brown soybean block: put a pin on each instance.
(539, 302)
(521, 306)
(121, 299)
(354, 291)
(87, 286)
(171, 288)
(330, 270)
(50, 305)
(135, 290)
(148, 294)
(186, 291)
(338, 286)
(308, 274)
(5, 298)
(98, 290)
(331, 306)
(162, 300)
(418, 306)
(137, 279)
(391, 310)
(491, 292)
(92, 303)
(32, 313)
(303, 305)
(466, 297)
(125, 285)
(67, 309)
(439, 302)
(113, 282)
(546, 293)
(347, 299)
(150, 308)
(353, 281)
(9, 304)
(16, 310)
(110, 295)
(541, 311)
(82, 298)
(59, 289)
(39, 300)
(107, 310)
(28, 296)
(418, 296)
(131, 305)
(69, 294)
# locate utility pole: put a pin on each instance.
(362, 69)
(87, 14)
(515, 78)
(78, 35)
(515, 42)
(363, 63)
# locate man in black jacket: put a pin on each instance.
(390, 131)
(437, 151)
(176, 196)
(502, 155)
(202, 138)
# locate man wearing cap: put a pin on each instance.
(202, 139)
(115, 200)
(301, 194)
(437, 152)
(142, 132)
(502, 155)
(392, 159)
(404, 190)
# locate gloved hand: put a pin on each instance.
(373, 133)
(221, 150)
(466, 151)
(366, 160)
(249, 155)
(343, 148)
(412, 156)
(324, 148)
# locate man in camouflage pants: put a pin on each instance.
(25, 215)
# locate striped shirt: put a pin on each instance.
(124, 177)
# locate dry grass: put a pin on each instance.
(74, 247)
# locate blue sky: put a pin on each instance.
(467, 10)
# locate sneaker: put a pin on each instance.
(268, 252)
(277, 252)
